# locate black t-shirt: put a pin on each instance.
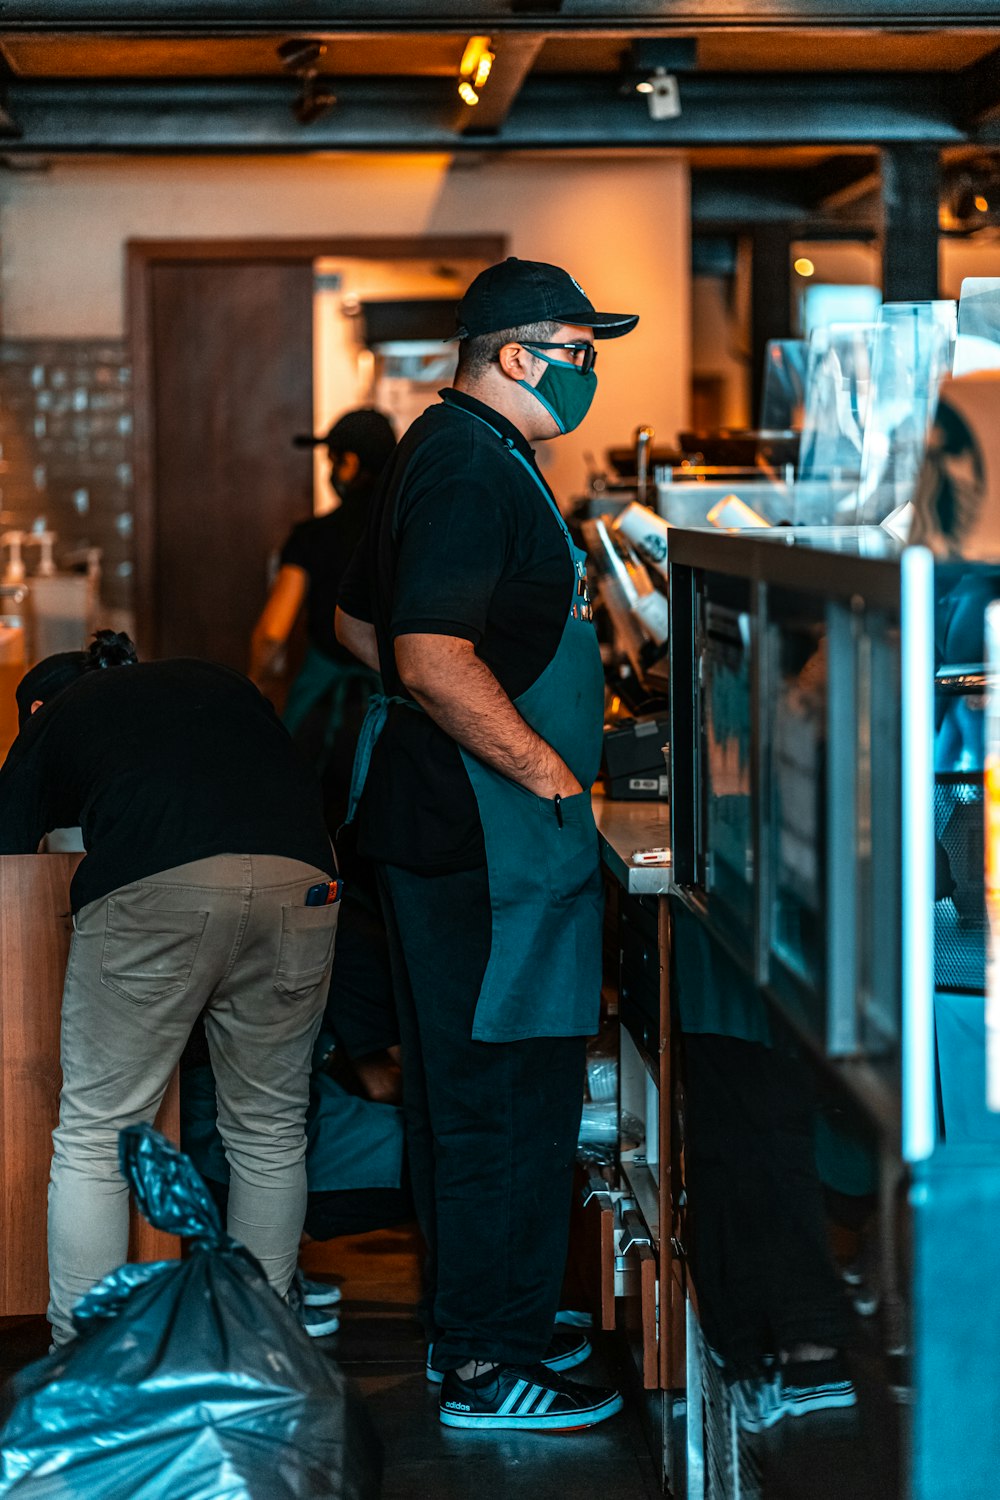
(322, 547)
(461, 542)
(160, 764)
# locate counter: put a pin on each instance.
(625, 826)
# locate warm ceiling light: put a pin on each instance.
(474, 69)
(982, 203)
(804, 266)
(645, 87)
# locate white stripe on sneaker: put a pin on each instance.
(545, 1403)
(513, 1398)
(529, 1401)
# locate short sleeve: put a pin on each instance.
(355, 594)
(296, 552)
(453, 548)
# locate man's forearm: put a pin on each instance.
(358, 636)
(460, 693)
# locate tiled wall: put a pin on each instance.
(66, 451)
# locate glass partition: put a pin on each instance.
(728, 834)
(912, 352)
(978, 344)
(838, 387)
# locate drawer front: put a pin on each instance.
(592, 1247)
(641, 1302)
(642, 913)
(642, 1022)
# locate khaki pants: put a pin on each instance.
(228, 936)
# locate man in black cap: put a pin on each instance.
(330, 683)
(469, 596)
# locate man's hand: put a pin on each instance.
(460, 693)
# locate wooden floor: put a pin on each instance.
(381, 1347)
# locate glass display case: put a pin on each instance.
(785, 672)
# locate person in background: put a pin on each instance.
(208, 888)
(355, 1159)
(468, 595)
(330, 692)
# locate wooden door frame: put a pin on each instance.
(140, 258)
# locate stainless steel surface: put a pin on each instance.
(625, 826)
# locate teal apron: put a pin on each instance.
(543, 977)
(320, 677)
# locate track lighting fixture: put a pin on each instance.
(474, 69)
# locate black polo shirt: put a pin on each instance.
(323, 546)
(160, 764)
(460, 541)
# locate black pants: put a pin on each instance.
(491, 1130)
(757, 1236)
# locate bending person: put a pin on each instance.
(206, 854)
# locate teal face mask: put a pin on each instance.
(564, 391)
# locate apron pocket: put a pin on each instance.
(571, 853)
(308, 934)
(150, 959)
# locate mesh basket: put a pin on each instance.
(722, 1461)
(960, 919)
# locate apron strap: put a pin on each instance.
(530, 469)
(374, 723)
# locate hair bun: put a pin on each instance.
(110, 648)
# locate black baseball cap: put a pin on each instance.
(364, 431)
(515, 292)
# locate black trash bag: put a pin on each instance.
(189, 1380)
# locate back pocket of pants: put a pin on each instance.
(305, 956)
(150, 958)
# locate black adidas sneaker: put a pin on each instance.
(568, 1347)
(529, 1398)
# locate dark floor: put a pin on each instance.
(381, 1348)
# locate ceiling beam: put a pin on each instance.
(515, 58)
(417, 114)
(800, 196)
(977, 89)
(578, 17)
(735, 197)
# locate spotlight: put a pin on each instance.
(300, 56)
(804, 266)
(474, 69)
(983, 204)
(645, 87)
(313, 101)
(662, 95)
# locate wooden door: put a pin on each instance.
(230, 365)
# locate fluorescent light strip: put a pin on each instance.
(917, 652)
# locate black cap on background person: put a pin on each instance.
(109, 648)
(515, 293)
(363, 431)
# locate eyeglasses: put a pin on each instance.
(588, 351)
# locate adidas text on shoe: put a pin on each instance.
(568, 1348)
(529, 1398)
(816, 1385)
